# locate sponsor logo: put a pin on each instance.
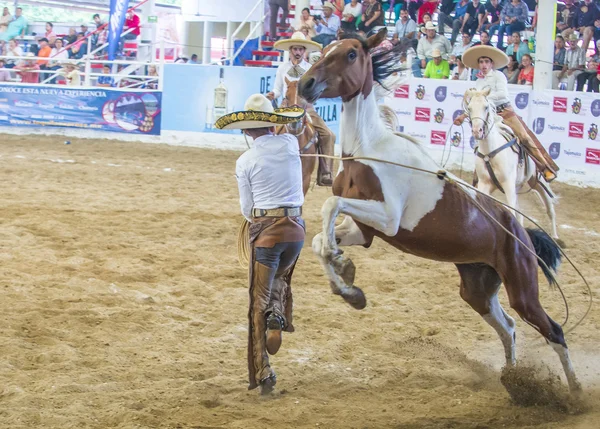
(440, 93)
(472, 142)
(417, 136)
(555, 128)
(438, 137)
(576, 130)
(593, 132)
(439, 116)
(456, 139)
(420, 92)
(554, 150)
(595, 108)
(522, 100)
(580, 172)
(572, 153)
(456, 114)
(559, 104)
(457, 95)
(403, 113)
(422, 114)
(538, 125)
(576, 106)
(23, 104)
(400, 129)
(402, 91)
(540, 103)
(592, 156)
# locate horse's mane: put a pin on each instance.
(386, 62)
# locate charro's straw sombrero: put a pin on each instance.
(297, 39)
(470, 57)
(259, 113)
(428, 26)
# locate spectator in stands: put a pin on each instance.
(421, 29)
(372, 16)
(473, 18)
(526, 74)
(50, 34)
(84, 29)
(5, 20)
(132, 22)
(517, 47)
(44, 52)
(513, 18)
(327, 25)
(406, 29)
(484, 39)
(105, 80)
(559, 53)
(16, 27)
(4, 74)
(437, 68)
(574, 64)
(79, 48)
(152, 72)
(307, 24)
(458, 50)
(588, 75)
(58, 56)
(460, 9)
(27, 69)
(493, 9)
(565, 17)
(350, 15)
(426, 46)
(101, 35)
(193, 59)
(274, 6)
(72, 37)
(428, 6)
(511, 71)
(460, 72)
(338, 7)
(71, 73)
(587, 14)
(13, 50)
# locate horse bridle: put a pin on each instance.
(303, 121)
(487, 128)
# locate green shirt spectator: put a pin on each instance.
(437, 68)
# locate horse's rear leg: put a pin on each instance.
(548, 204)
(521, 282)
(479, 288)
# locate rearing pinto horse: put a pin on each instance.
(417, 212)
(304, 132)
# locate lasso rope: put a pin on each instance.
(443, 175)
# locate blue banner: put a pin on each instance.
(118, 12)
(94, 109)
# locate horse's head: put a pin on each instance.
(480, 112)
(291, 95)
(346, 69)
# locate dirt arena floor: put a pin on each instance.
(123, 305)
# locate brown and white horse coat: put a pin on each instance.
(416, 212)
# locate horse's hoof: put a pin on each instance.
(267, 385)
(355, 297)
(561, 243)
(344, 267)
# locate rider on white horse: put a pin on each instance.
(488, 59)
(293, 70)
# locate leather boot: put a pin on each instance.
(276, 322)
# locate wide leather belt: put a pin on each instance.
(502, 106)
(279, 212)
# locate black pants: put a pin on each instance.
(275, 5)
(590, 78)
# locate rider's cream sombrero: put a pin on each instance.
(259, 113)
(470, 57)
(297, 39)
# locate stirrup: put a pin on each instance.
(548, 175)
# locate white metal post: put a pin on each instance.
(544, 53)
(229, 42)
(208, 27)
(161, 67)
(88, 65)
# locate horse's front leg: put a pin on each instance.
(339, 268)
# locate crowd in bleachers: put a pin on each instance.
(433, 28)
(61, 55)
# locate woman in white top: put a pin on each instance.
(488, 59)
(460, 71)
(5, 20)
(13, 50)
(307, 24)
(351, 12)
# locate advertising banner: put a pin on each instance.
(95, 109)
(118, 12)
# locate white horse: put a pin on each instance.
(499, 167)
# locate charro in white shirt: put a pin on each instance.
(498, 84)
(269, 174)
(282, 73)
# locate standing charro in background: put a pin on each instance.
(293, 70)
(269, 179)
(487, 59)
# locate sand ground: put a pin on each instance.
(123, 305)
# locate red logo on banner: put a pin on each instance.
(402, 91)
(592, 156)
(576, 130)
(422, 114)
(560, 104)
(438, 137)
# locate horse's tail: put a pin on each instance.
(548, 251)
(389, 117)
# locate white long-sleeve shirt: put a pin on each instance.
(269, 175)
(280, 87)
(498, 84)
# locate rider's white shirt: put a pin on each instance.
(282, 72)
(269, 174)
(498, 84)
